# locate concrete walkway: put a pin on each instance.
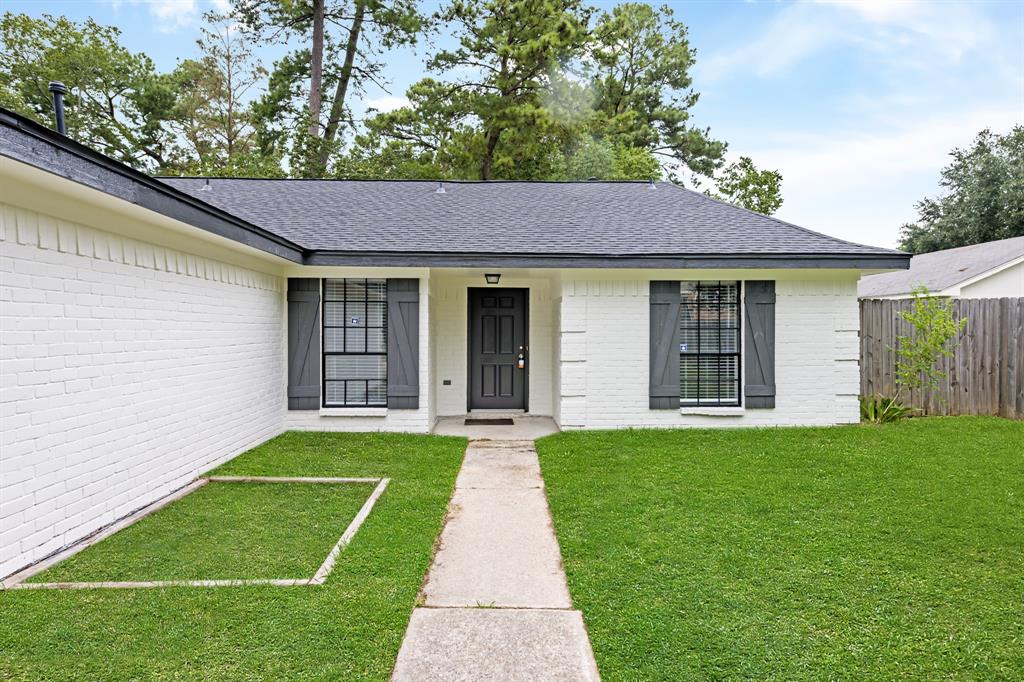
(495, 603)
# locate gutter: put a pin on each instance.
(639, 261)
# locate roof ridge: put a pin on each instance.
(411, 180)
(977, 246)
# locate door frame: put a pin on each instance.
(469, 342)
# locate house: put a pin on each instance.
(989, 270)
(153, 328)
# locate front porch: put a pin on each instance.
(523, 427)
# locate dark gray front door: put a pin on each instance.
(497, 349)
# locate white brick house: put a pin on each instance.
(151, 329)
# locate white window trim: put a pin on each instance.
(712, 411)
(353, 411)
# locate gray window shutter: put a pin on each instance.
(404, 343)
(664, 343)
(303, 343)
(759, 344)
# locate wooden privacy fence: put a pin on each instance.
(985, 375)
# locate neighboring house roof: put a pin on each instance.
(409, 223)
(941, 270)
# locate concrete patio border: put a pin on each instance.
(17, 580)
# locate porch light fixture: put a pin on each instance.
(492, 277)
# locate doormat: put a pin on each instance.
(490, 422)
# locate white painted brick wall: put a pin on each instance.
(605, 354)
(125, 370)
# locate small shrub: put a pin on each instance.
(933, 336)
(879, 409)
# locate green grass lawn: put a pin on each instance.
(857, 552)
(349, 628)
(224, 531)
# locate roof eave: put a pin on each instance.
(28, 142)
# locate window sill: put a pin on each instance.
(353, 411)
(712, 411)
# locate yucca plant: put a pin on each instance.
(879, 409)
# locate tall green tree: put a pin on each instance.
(982, 199)
(116, 102)
(488, 118)
(340, 46)
(212, 114)
(741, 183)
(532, 91)
(641, 60)
(605, 160)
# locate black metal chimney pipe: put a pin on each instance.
(59, 90)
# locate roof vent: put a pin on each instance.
(206, 187)
(59, 90)
(652, 185)
(592, 178)
(440, 189)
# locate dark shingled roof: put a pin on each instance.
(547, 218)
(472, 224)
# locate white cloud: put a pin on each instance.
(862, 186)
(170, 15)
(910, 33)
(881, 11)
(387, 103)
(912, 81)
(793, 35)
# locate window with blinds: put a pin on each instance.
(709, 343)
(355, 343)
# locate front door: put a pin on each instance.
(497, 349)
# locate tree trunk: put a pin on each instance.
(316, 68)
(488, 160)
(344, 78)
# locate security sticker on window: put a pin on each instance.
(355, 321)
(682, 348)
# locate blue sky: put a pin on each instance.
(856, 102)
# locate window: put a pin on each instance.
(709, 343)
(355, 343)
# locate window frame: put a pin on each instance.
(324, 353)
(706, 403)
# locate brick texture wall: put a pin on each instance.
(604, 357)
(126, 370)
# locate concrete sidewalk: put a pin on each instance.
(496, 604)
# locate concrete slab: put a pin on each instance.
(498, 549)
(457, 645)
(524, 428)
(502, 467)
